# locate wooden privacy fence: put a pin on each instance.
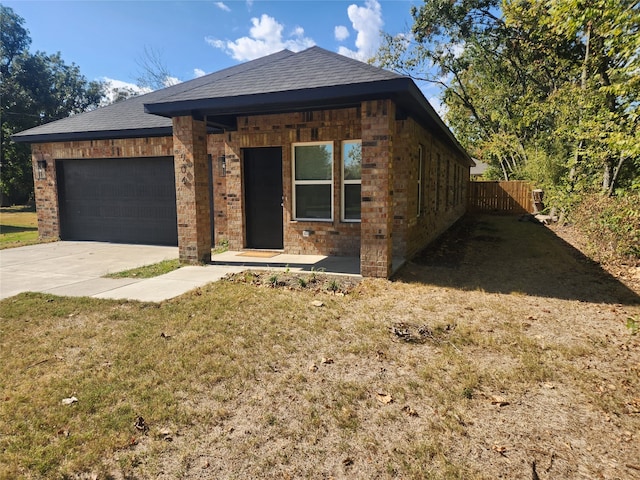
(500, 197)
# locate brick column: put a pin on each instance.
(46, 192)
(376, 245)
(192, 189)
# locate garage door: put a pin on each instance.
(129, 200)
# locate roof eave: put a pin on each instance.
(418, 99)
(338, 95)
(93, 135)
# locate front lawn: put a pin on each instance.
(498, 352)
(18, 226)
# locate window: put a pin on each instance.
(312, 181)
(420, 181)
(351, 180)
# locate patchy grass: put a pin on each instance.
(18, 226)
(148, 271)
(454, 370)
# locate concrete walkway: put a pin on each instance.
(77, 269)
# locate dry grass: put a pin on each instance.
(18, 226)
(498, 348)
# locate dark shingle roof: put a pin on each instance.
(127, 118)
(283, 81)
(311, 68)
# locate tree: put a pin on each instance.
(35, 88)
(540, 90)
(154, 73)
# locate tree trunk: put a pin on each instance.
(504, 171)
(606, 176)
(616, 172)
(573, 172)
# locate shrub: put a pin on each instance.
(612, 224)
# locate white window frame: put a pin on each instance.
(310, 182)
(420, 179)
(349, 182)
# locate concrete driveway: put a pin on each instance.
(77, 268)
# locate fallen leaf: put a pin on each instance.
(500, 401)
(550, 386)
(327, 360)
(409, 411)
(140, 424)
(500, 449)
(317, 303)
(69, 401)
(313, 367)
(384, 398)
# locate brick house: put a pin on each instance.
(308, 153)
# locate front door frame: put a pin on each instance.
(263, 193)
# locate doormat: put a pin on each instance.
(258, 254)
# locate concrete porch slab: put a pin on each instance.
(295, 263)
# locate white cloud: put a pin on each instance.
(113, 85)
(198, 72)
(367, 21)
(265, 37)
(341, 33)
(170, 81)
(222, 6)
(457, 49)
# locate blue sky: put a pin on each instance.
(106, 39)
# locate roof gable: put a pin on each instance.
(311, 68)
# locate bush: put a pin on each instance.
(612, 224)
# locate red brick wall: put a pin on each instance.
(390, 163)
(192, 189)
(378, 143)
(283, 130)
(443, 198)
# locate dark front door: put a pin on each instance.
(263, 197)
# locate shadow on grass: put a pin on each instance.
(18, 209)
(6, 229)
(500, 254)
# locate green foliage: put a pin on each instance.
(35, 88)
(611, 223)
(544, 91)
